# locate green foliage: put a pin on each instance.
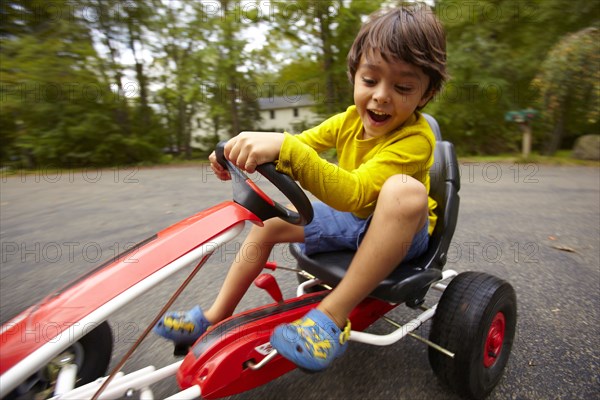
(319, 39)
(58, 110)
(569, 86)
(106, 82)
(494, 52)
(200, 58)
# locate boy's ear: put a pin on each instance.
(426, 97)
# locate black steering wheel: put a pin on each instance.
(251, 197)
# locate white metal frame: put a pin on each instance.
(402, 331)
(407, 328)
(138, 380)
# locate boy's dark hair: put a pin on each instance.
(408, 33)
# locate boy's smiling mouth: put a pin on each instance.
(378, 116)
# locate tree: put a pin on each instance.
(178, 43)
(201, 59)
(109, 33)
(317, 35)
(230, 73)
(494, 52)
(57, 101)
(51, 93)
(569, 85)
(122, 29)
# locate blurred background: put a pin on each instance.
(135, 82)
(101, 87)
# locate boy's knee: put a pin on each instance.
(274, 231)
(404, 185)
(405, 195)
(269, 229)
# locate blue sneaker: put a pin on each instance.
(312, 342)
(183, 328)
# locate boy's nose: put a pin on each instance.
(381, 96)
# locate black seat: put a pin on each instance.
(411, 280)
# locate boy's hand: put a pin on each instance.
(248, 150)
(217, 168)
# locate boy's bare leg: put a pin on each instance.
(400, 213)
(249, 262)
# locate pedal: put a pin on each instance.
(268, 283)
(180, 350)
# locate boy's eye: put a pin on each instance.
(404, 89)
(368, 81)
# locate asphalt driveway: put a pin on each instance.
(535, 226)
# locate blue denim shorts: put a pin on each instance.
(333, 230)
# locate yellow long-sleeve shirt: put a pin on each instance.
(363, 165)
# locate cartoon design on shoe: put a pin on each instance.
(312, 342)
(183, 328)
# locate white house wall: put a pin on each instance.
(284, 119)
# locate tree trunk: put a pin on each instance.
(181, 143)
(235, 120)
(121, 111)
(141, 78)
(330, 96)
(557, 134)
(229, 60)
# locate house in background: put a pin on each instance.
(278, 114)
(287, 114)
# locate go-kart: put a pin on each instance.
(472, 330)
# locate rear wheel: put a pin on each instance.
(91, 354)
(475, 319)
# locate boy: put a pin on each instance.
(385, 149)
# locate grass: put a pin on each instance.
(562, 158)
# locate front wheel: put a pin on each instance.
(91, 354)
(476, 320)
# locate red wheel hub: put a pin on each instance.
(494, 340)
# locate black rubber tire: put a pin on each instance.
(462, 324)
(97, 346)
(92, 355)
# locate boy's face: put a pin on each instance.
(387, 93)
